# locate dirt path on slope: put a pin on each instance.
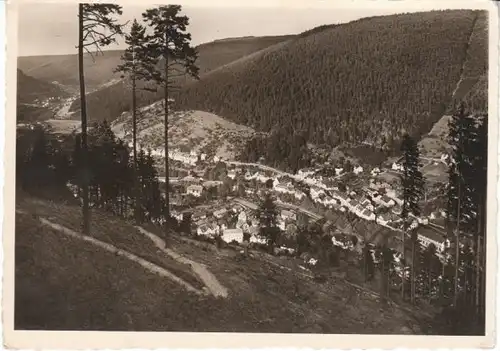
(210, 281)
(151, 267)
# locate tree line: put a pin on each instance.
(50, 164)
(155, 58)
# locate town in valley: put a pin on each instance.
(324, 178)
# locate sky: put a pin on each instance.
(51, 28)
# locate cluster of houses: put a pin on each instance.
(232, 222)
(378, 202)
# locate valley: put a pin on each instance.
(284, 206)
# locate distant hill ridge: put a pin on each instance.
(35, 97)
(365, 81)
(111, 101)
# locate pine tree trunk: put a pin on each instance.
(480, 267)
(457, 249)
(429, 282)
(83, 113)
(134, 147)
(404, 261)
(167, 178)
(413, 264)
(481, 215)
(477, 273)
(441, 288)
(482, 300)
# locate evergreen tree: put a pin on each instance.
(429, 269)
(480, 184)
(460, 138)
(467, 189)
(412, 183)
(135, 64)
(171, 42)
(368, 263)
(96, 28)
(267, 213)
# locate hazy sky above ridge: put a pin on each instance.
(51, 28)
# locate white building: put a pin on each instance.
(305, 173)
(249, 175)
(433, 238)
(423, 221)
(338, 171)
(195, 190)
(220, 213)
(375, 171)
(206, 230)
(397, 167)
(178, 216)
(262, 178)
(186, 158)
(358, 170)
(242, 216)
(230, 235)
(257, 239)
(368, 215)
(285, 214)
(385, 201)
(231, 174)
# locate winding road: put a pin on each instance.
(200, 270)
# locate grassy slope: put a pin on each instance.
(64, 284)
(371, 77)
(111, 230)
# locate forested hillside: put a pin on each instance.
(64, 68)
(110, 101)
(473, 87)
(30, 89)
(34, 97)
(365, 81)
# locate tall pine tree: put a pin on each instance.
(412, 183)
(467, 190)
(170, 42)
(267, 213)
(136, 63)
(96, 28)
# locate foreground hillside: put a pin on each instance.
(65, 283)
(365, 81)
(188, 130)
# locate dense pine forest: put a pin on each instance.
(109, 102)
(47, 164)
(366, 81)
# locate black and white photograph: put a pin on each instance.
(259, 170)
